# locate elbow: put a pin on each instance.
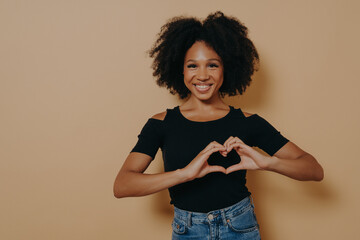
(319, 176)
(116, 195)
(120, 192)
(123, 188)
(120, 189)
(117, 192)
(318, 173)
(315, 171)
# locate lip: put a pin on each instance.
(202, 84)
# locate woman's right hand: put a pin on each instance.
(199, 166)
(131, 180)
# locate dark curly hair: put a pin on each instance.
(226, 35)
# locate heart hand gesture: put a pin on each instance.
(250, 159)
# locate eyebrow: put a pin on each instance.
(211, 59)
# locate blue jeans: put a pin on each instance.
(235, 222)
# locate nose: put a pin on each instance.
(202, 74)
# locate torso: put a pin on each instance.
(181, 137)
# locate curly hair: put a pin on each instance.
(226, 35)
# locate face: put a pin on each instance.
(203, 71)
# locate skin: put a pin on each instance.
(202, 65)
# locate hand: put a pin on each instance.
(250, 159)
(199, 166)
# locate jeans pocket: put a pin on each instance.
(243, 222)
(179, 226)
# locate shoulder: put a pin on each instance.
(168, 113)
(241, 112)
(246, 114)
(159, 116)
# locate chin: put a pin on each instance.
(203, 96)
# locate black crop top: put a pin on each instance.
(181, 140)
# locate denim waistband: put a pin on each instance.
(219, 215)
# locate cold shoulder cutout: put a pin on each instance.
(246, 114)
(159, 116)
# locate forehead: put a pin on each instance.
(201, 51)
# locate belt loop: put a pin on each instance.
(189, 219)
(223, 216)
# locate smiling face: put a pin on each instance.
(203, 71)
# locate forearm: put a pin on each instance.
(133, 184)
(303, 168)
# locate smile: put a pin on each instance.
(203, 87)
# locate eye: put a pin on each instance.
(191, 66)
(213, 65)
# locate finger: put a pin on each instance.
(223, 153)
(212, 150)
(217, 169)
(242, 152)
(212, 145)
(239, 140)
(237, 146)
(232, 141)
(232, 146)
(234, 168)
(227, 141)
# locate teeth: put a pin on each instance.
(202, 86)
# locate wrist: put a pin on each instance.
(183, 175)
(271, 163)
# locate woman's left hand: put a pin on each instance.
(289, 160)
(250, 158)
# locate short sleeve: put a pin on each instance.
(150, 138)
(263, 135)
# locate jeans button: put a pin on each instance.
(211, 217)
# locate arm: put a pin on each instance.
(292, 161)
(131, 180)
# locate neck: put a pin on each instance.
(214, 102)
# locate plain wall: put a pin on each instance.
(76, 88)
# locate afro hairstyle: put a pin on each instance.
(227, 36)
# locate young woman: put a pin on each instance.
(206, 144)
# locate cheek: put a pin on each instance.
(219, 75)
(188, 75)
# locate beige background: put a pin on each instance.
(76, 88)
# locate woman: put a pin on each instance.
(206, 144)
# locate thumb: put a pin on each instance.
(234, 168)
(217, 169)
